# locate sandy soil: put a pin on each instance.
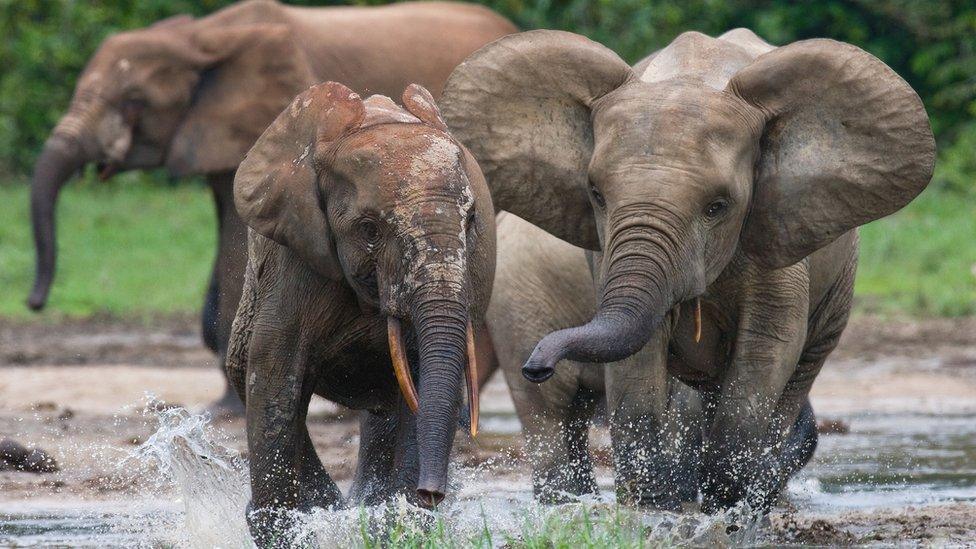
(79, 390)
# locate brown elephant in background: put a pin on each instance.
(371, 260)
(193, 95)
(723, 181)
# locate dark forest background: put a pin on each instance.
(121, 239)
(932, 44)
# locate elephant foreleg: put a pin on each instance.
(373, 482)
(637, 404)
(751, 417)
(555, 420)
(281, 454)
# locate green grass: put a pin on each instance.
(133, 248)
(128, 248)
(561, 527)
(921, 260)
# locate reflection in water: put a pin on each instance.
(887, 461)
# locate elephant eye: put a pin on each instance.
(716, 208)
(469, 222)
(369, 231)
(597, 197)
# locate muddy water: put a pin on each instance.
(888, 461)
(903, 474)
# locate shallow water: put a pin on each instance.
(887, 461)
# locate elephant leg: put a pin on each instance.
(801, 442)
(278, 394)
(686, 423)
(637, 405)
(374, 480)
(208, 319)
(317, 487)
(555, 422)
(227, 280)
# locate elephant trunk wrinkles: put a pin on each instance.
(440, 320)
(637, 295)
(58, 161)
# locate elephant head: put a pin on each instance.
(672, 174)
(385, 201)
(189, 95)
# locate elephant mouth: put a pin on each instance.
(107, 169)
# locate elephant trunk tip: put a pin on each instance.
(430, 498)
(541, 365)
(38, 297)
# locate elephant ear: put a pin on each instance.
(522, 106)
(846, 141)
(250, 75)
(276, 187)
(420, 103)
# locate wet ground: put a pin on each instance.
(896, 462)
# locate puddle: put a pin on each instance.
(888, 461)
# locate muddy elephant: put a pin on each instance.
(371, 258)
(543, 284)
(192, 96)
(722, 181)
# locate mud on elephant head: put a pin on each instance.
(768, 152)
(189, 95)
(386, 201)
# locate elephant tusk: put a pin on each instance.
(472, 374)
(697, 319)
(401, 367)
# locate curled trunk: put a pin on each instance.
(58, 161)
(637, 295)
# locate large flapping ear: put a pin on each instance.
(846, 141)
(252, 72)
(420, 103)
(276, 187)
(522, 106)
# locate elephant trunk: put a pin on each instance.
(636, 297)
(440, 321)
(58, 161)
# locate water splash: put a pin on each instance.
(211, 479)
(212, 485)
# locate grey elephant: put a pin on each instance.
(543, 284)
(193, 95)
(370, 263)
(723, 181)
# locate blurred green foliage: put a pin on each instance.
(931, 43)
(921, 260)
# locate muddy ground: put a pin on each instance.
(79, 390)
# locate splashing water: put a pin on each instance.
(211, 479)
(212, 484)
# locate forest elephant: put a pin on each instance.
(371, 255)
(722, 182)
(543, 284)
(193, 95)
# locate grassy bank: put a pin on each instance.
(133, 248)
(126, 248)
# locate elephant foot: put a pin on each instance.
(227, 406)
(320, 493)
(15, 456)
(272, 528)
